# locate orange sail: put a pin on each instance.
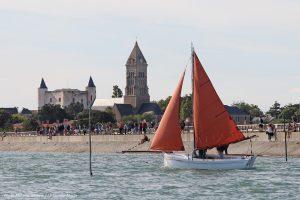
(213, 125)
(168, 135)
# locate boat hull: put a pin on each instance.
(182, 161)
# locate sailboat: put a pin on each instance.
(213, 128)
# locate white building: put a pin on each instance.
(102, 104)
(64, 97)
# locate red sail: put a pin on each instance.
(213, 125)
(168, 135)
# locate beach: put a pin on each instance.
(118, 143)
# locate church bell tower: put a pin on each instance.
(136, 91)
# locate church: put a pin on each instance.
(136, 99)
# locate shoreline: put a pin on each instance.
(118, 143)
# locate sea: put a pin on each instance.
(138, 177)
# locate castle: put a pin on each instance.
(64, 97)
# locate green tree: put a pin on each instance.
(289, 111)
(251, 109)
(96, 117)
(186, 108)
(52, 113)
(30, 124)
(74, 109)
(148, 116)
(5, 121)
(109, 110)
(17, 118)
(117, 92)
(275, 110)
(163, 103)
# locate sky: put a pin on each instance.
(250, 49)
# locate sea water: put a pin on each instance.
(140, 176)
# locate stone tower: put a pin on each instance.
(91, 92)
(41, 94)
(136, 91)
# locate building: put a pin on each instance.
(136, 91)
(64, 97)
(102, 104)
(136, 99)
(239, 116)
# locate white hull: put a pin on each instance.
(182, 161)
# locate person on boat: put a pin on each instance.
(198, 153)
(270, 131)
(221, 150)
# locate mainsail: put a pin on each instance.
(213, 126)
(168, 135)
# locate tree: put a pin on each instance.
(109, 110)
(148, 116)
(5, 119)
(251, 109)
(289, 111)
(163, 103)
(30, 124)
(117, 92)
(73, 109)
(275, 110)
(186, 108)
(17, 118)
(96, 117)
(52, 113)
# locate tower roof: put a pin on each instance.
(91, 83)
(136, 55)
(43, 84)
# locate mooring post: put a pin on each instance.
(285, 142)
(90, 142)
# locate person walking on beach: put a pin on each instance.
(121, 127)
(270, 131)
(125, 128)
(182, 126)
(144, 126)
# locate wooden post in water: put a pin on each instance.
(285, 142)
(90, 141)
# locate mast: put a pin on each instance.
(192, 56)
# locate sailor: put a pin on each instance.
(197, 153)
(144, 139)
(221, 150)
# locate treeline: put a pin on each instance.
(52, 114)
(276, 113)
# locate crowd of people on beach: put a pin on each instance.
(137, 127)
(271, 130)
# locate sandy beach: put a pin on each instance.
(118, 143)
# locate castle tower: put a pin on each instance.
(136, 91)
(91, 92)
(41, 94)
